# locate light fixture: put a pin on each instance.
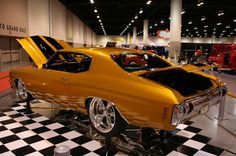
(227, 27)
(162, 21)
(205, 26)
(203, 18)
(195, 28)
(221, 13)
(219, 23)
(183, 12)
(231, 33)
(205, 30)
(155, 24)
(223, 31)
(187, 29)
(136, 17)
(214, 32)
(98, 16)
(190, 22)
(149, 2)
(95, 10)
(200, 3)
(132, 21)
(99, 20)
(235, 20)
(92, 1)
(141, 11)
(235, 29)
(150, 27)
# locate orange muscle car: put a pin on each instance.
(100, 82)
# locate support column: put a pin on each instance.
(145, 32)
(175, 27)
(134, 35)
(128, 38)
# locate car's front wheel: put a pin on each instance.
(105, 118)
(21, 91)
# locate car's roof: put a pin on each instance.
(106, 51)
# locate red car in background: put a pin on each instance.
(224, 55)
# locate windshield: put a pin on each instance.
(139, 61)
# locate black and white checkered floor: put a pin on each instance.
(36, 135)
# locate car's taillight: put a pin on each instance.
(178, 113)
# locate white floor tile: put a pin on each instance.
(92, 145)
(22, 118)
(194, 144)
(54, 126)
(9, 153)
(5, 133)
(25, 134)
(16, 144)
(41, 145)
(13, 125)
(34, 154)
(41, 118)
(91, 154)
(11, 112)
(202, 153)
(18, 107)
(182, 126)
(186, 134)
(49, 134)
(69, 143)
(4, 118)
(175, 153)
(71, 135)
(34, 125)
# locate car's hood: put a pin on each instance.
(41, 48)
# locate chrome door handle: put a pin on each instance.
(64, 78)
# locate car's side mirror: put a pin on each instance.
(45, 66)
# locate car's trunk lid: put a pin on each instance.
(186, 83)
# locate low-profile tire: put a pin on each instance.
(105, 118)
(21, 92)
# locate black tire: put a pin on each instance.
(119, 122)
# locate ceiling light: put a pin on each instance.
(195, 28)
(132, 21)
(221, 13)
(205, 26)
(155, 24)
(100, 20)
(92, 1)
(235, 29)
(200, 3)
(227, 27)
(95, 10)
(219, 23)
(203, 18)
(98, 16)
(187, 29)
(231, 33)
(141, 11)
(150, 27)
(204, 30)
(129, 23)
(197, 32)
(234, 20)
(183, 12)
(162, 21)
(214, 32)
(149, 2)
(135, 17)
(190, 22)
(223, 31)
(214, 29)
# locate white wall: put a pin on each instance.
(14, 13)
(38, 19)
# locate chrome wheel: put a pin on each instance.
(21, 90)
(102, 115)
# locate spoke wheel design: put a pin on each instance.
(102, 115)
(21, 90)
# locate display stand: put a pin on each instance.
(221, 113)
(108, 146)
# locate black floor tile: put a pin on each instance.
(22, 110)
(23, 150)
(2, 128)
(57, 139)
(6, 110)
(47, 122)
(16, 115)
(212, 149)
(79, 151)
(188, 122)
(201, 138)
(62, 130)
(193, 129)
(19, 129)
(41, 130)
(48, 151)
(8, 139)
(33, 139)
(35, 115)
(186, 150)
(8, 121)
(26, 122)
(179, 139)
(3, 149)
(81, 140)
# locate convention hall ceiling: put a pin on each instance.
(202, 18)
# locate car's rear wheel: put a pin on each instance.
(21, 91)
(105, 118)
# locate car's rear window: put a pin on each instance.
(139, 61)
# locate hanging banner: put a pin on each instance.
(163, 34)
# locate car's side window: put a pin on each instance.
(69, 62)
